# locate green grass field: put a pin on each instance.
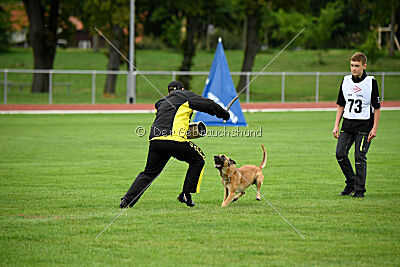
(263, 89)
(62, 176)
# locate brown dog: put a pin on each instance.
(236, 180)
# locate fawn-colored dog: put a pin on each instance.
(236, 180)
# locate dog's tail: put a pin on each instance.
(264, 161)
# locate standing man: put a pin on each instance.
(168, 138)
(358, 103)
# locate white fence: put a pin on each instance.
(131, 92)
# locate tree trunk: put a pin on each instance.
(320, 60)
(189, 49)
(95, 40)
(114, 59)
(43, 39)
(244, 32)
(392, 24)
(251, 49)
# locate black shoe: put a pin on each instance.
(124, 203)
(347, 191)
(358, 194)
(186, 198)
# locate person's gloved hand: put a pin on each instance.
(225, 116)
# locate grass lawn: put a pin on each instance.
(62, 176)
(264, 88)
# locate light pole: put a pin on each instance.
(132, 76)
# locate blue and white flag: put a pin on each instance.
(219, 87)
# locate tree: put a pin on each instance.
(181, 24)
(160, 19)
(284, 25)
(189, 47)
(193, 14)
(259, 14)
(110, 17)
(319, 33)
(384, 13)
(43, 22)
(356, 16)
(254, 11)
(5, 28)
(47, 20)
(394, 7)
(173, 16)
(370, 48)
(114, 58)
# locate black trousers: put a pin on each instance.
(361, 147)
(160, 151)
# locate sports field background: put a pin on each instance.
(263, 89)
(62, 176)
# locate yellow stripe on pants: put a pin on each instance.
(199, 182)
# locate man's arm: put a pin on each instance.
(375, 102)
(207, 105)
(339, 114)
(341, 103)
(372, 133)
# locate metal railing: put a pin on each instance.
(173, 75)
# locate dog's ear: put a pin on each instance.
(231, 161)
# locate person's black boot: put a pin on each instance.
(124, 203)
(358, 194)
(186, 198)
(347, 191)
